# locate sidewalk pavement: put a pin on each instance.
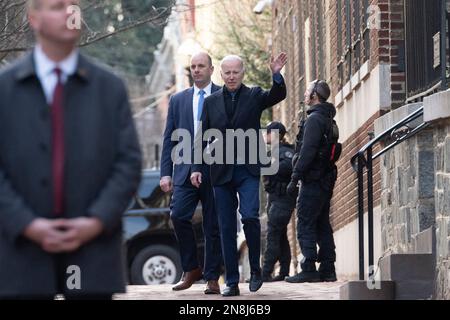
(269, 291)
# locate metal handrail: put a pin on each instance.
(364, 159)
(389, 132)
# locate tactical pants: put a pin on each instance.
(277, 248)
(313, 224)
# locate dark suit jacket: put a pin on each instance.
(179, 116)
(102, 172)
(252, 102)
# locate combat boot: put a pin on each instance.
(327, 272)
(279, 277)
(308, 274)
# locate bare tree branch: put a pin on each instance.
(15, 29)
(13, 5)
(132, 25)
(244, 32)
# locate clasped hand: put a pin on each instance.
(63, 235)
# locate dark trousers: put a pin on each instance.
(184, 202)
(61, 276)
(61, 267)
(313, 224)
(246, 186)
(277, 248)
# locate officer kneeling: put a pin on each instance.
(280, 206)
(316, 171)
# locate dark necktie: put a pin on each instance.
(58, 146)
(233, 103)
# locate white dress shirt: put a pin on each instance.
(45, 70)
(195, 100)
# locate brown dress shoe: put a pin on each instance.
(212, 287)
(188, 279)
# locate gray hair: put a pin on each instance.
(232, 57)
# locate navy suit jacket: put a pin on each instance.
(179, 116)
(252, 102)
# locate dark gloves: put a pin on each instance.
(292, 188)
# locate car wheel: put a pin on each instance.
(156, 264)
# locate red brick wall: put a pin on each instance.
(288, 35)
(386, 44)
(344, 206)
(335, 58)
(397, 41)
(384, 48)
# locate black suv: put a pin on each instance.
(151, 246)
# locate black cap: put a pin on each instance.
(275, 125)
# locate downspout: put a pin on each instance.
(444, 85)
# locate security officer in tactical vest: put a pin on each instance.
(279, 208)
(315, 173)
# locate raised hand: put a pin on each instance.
(276, 64)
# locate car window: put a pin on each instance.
(157, 199)
(150, 195)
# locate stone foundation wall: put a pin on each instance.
(407, 183)
(437, 111)
(415, 188)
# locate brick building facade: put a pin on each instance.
(358, 47)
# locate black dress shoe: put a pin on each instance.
(256, 282)
(231, 291)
